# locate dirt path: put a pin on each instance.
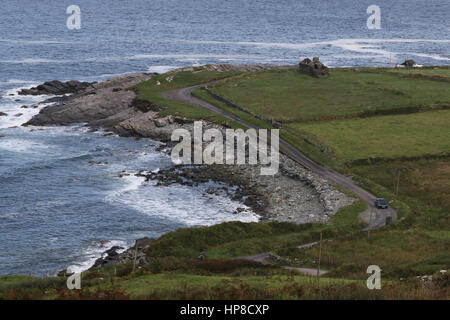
(263, 257)
(379, 216)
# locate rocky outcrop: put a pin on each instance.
(56, 87)
(408, 64)
(101, 104)
(135, 253)
(314, 68)
(2, 114)
(111, 105)
(149, 125)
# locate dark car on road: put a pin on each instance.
(381, 203)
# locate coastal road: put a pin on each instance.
(263, 257)
(377, 217)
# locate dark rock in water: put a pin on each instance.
(113, 251)
(409, 63)
(24, 106)
(56, 87)
(314, 68)
(137, 252)
(18, 115)
(2, 114)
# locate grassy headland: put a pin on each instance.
(388, 128)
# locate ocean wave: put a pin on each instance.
(16, 115)
(304, 45)
(177, 57)
(92, 252)
(36, 60)
(131, 182)
(17, 81)
(13, 93)
(160, 69)
(35, 41)
(191, 205)
(360, 45)
(430, 56)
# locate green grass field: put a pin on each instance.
(443, 72)
(151, 91)
(383, 136)
(293, 97)
(423, 184)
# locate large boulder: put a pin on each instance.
(409, 64)
(314, 68)
(56, 88)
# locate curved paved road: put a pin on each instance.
(379, 216)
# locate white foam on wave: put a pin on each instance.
(178, 57)
(17, 81)
(189, 205)
(161, 69)
(36, 60)
(361, 45)
(431, 56)
(22, 145)
(34, 41)
(131, 183)
(16, 115)
(94, 251)
(255, 44)
(304, 45)
(14, 92)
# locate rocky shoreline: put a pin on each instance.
(294, 194)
